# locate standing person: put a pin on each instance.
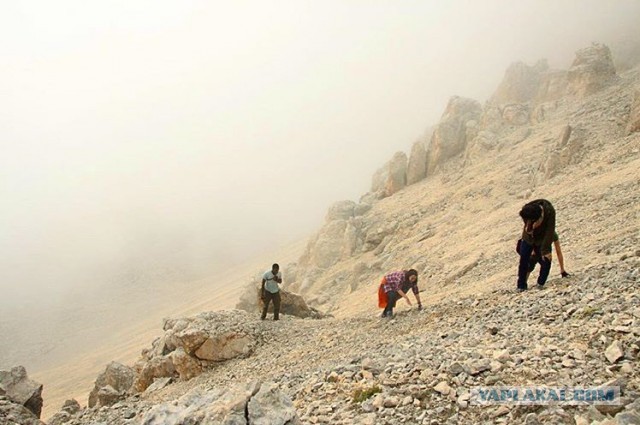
(395, 285)
(539, 219)
(271, 291)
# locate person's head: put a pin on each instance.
(412, 276)
(275, 268)
(531, 214)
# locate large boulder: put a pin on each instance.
(255, 403)
(291, 304)
(148, 370)
(112, 385)
(17, 387)
(450, 136)
(191, 344)
(269, 406)
(591, 70)
(12, 413)
(226, 347)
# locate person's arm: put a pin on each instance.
(418, 300)
(278, 278)
(560, 258)
(403, 295)
(262, 291)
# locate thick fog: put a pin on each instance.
(184, 136)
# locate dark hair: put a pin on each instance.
(409, 273)
(275, 266)
(530, 212)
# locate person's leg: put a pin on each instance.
(523, 267)
(393, 297)
(276, 306)
(267, 299)
(545, 268)
(391, 302)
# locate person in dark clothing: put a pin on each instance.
(271, 291)
(539, 219)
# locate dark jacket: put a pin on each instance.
(543, 235)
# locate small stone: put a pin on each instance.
(456, 368)
(502, 356)
(500, 411)
(391, 402)
(443, 388)
(626, 369)
(614, 352)
(531, 419)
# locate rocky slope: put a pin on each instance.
(420, 366)
(449, 209)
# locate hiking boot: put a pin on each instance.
(540, 287)
(521, 289)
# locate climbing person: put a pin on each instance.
(271, 291)
(395, 285)
(539, 219)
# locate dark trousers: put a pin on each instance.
(392, 297)
(267, 298)
(528, 263)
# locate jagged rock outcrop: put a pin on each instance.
(553, 85)
(520, 84)
(591, 70)
(341, 210)
(450, 136)
(417, 165)
(111, 385)
(392, 177)
(18, 388)
(634, 115)
(252, 403)
(12, 413)
(338, 239)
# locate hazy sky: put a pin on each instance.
(202, 132)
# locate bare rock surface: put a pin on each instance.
(16, 386)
